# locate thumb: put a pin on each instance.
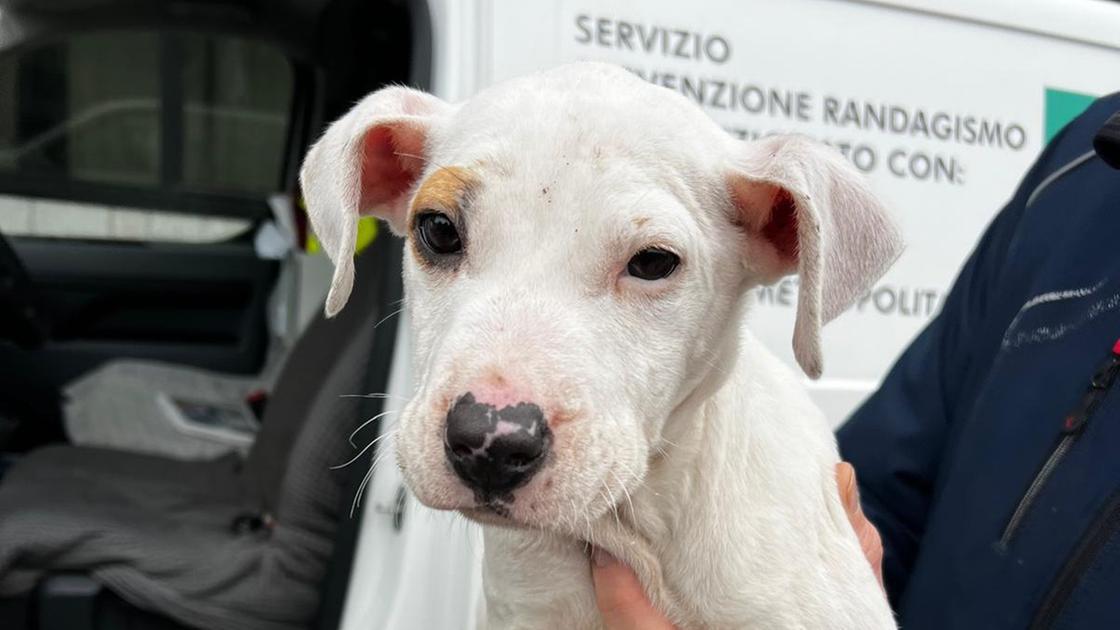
(849, 491)
(868, 536)
(622, 600)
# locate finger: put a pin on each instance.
(873, 549)
(622, 600)
(868, 536)
(849, 492)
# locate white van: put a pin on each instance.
(944, 104)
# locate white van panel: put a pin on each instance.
(963, 102)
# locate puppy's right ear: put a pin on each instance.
(807, 210)
(366, 163)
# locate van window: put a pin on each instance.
(175, 112)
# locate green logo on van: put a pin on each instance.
(1063, 106)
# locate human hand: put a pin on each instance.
(868, 536)
(624, 605)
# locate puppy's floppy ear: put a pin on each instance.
(805, 209)
(366, 163)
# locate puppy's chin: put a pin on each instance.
(496, 514)
(443, 492)
(493, 517)
(522, 512)
(535, 513)
(542, 504)
(438, 492)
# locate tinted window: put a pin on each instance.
(195, 112)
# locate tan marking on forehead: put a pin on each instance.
(445, 189)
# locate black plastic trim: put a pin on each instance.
(337, 582)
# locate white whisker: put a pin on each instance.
(388, 317)
(573, 516)
(611, 503)
(366, 423)
(626, 493)
(363, 451)
(670, 442)
(590, 529)
(373, 395)
(361, 488)
(380, 458)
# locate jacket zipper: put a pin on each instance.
(1097, 536)
(1073, 425)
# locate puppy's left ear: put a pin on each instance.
(806, 210)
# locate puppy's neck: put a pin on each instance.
(687, 431)
(692, 438)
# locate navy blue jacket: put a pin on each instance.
(987, 460)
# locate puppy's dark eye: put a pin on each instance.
(652, 264)
(438, 233)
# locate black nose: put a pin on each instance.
(495, 450)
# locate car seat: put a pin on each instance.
(220, 543)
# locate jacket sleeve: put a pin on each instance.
(897, 438)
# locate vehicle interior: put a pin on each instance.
(175, 411)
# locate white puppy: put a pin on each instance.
(581, 245)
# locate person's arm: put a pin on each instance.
(896, 440)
